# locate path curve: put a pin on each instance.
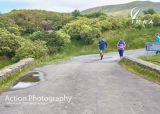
(96, 87)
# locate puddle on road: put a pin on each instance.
(29, 80)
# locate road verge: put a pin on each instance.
(144, 69)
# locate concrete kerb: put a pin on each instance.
(15, 67)
(143, 63)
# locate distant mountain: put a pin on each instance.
(124, 9)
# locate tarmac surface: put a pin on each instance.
(86, 85)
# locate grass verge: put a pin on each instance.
(153, 59)
(5, 62)
(146, 73)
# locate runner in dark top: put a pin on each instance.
(102, 46)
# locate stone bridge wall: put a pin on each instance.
(15, 67)
(145, 64)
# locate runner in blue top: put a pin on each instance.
(102, 46)
(157, 41)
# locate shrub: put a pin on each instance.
(8, 43)
(156, 20)
(89, 34)
(139, 26)
(14, 30)
(147, 17)
(149, 11)
(65, 37)
(31, 49)
(96, 15)
(83, 29)
(29, 28)
(116, 23)
(55, 41)
(104, 25)
(127, 23)
(19, 48)
(9, 25)
(75, 27)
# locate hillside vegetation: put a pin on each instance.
(39, 34)
(124, 9)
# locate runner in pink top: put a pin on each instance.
(121, 46)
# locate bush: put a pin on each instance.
(29, 28)
(14, 30)
(8, 43)
(75, 27)
(139, 26)
(127, 23)
(89, 34)
(55, 41)
(63, 36)
(19, 48)
(147, 17)
(31, 49)
(116, 23)
(83, 29)
(105, 25)
(149, 11)
(96, 15)
(9, 25)
(156, 20)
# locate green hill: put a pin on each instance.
(38, 16)
(124, 9)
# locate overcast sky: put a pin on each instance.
(57, 5)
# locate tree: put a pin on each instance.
(76, 13)
(149, 11)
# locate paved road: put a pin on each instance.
(94, 86)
